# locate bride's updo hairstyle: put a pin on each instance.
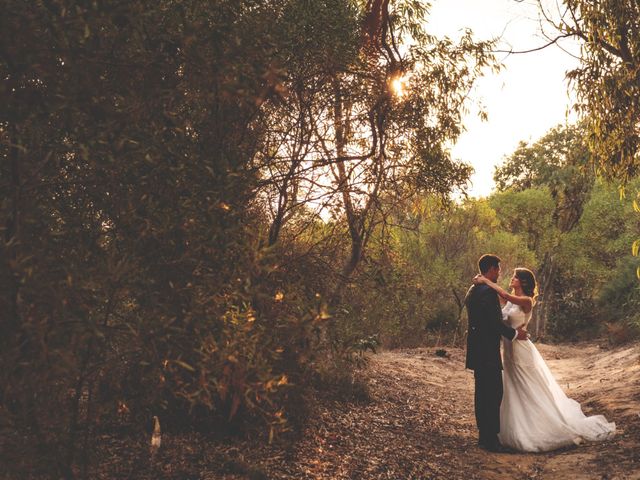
(527, 282)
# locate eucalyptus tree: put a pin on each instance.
(608, 83)
(608, 295)
(394, 120)
(559, 163)
(374, 123)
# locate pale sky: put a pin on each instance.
(527, 98)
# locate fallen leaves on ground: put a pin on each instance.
(419, 424)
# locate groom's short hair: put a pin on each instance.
(487, 261)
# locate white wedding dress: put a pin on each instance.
(536, 415)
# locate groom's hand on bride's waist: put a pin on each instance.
(522, 334)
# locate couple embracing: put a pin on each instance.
(518, 403)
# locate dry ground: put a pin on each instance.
(420, 425)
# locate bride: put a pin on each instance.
(536, 415)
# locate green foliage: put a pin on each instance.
(528, 213)
(620, 300)
(560, 162)
(560, 165)
(554, 160)
(412, 290)
(594, 265)
(132, 264)
(607, 81)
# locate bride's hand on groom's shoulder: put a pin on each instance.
(478, 279)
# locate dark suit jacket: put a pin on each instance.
(485, 328)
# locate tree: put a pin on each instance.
(345, 140)
(400, 142)
(528, 213)
(163, 167)
(443, 245)
(593, 266)
(560, 163)
(607, 82)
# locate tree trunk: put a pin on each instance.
(541, 313)
(461, 304)
(288, 190)
(276, 225)
(354, 221)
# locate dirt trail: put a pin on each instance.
(420, 423)
(604, 381)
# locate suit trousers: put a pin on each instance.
(488, 397)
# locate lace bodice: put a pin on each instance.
(514, 316)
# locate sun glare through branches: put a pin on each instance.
(398, 86)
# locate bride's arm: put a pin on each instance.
(522, 301)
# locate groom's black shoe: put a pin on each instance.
(495, 447)
(492, 444)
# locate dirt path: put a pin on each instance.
(606, 382)
(419, 424)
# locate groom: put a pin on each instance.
(483, 352)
